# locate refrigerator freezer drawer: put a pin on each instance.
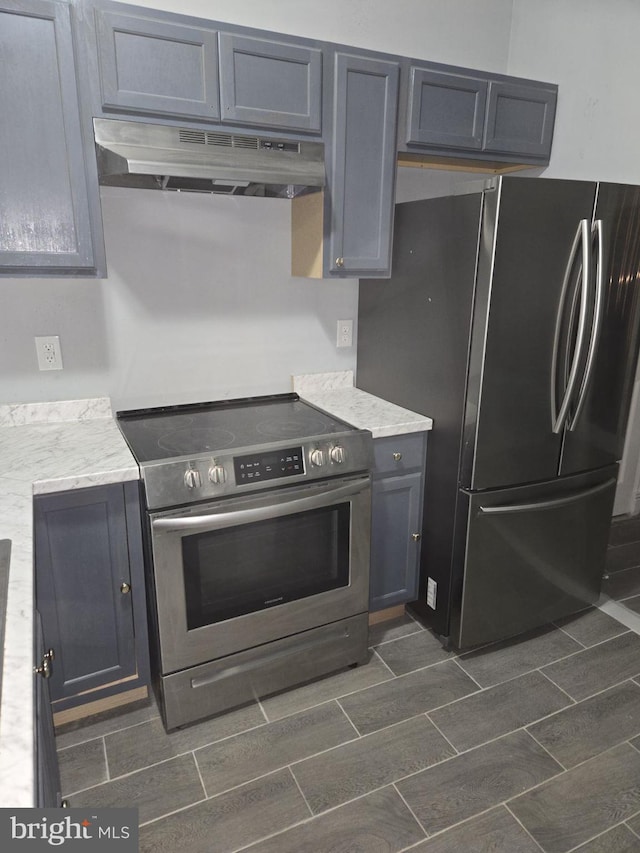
(533, 554)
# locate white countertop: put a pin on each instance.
(46, 447)
(336, 393)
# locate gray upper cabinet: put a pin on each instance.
(446, 109)
(454, 111)
(520, 119)
(45, 221)
(363, 165)
(150, 65)
(265, 83)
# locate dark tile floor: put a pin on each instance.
(519, 747)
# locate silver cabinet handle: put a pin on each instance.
(125, 588)
(416, 537)
(582, 237)
(397, 457)
(595, 324)
(339, 262)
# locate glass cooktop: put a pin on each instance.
(168, 432)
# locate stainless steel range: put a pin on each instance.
(258, 526)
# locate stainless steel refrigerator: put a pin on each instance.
(511, 319)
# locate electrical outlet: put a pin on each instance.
(49, 354)
(345, 333)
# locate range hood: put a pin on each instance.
(152, 156)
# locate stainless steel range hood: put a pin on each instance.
(151, 156)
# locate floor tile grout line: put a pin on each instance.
(562, 690)
(637, 834)
(571, 637)
(199, 772)
(413, 814)
(468, 674)
(439, 730)
(388, 642)
(542, 746)
(106, 759)
(590, 695)
(302, 793)
(262, 710)
(519, 822)
(599, 835)
(356, 729)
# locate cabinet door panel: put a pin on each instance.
(81, 562)
(395, 513)
(269, 83)
(44, 211)
(364, 152)
(519, 119)
(153, 66)
(446, 109)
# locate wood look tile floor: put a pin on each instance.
(519, 747)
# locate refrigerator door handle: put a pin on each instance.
(595, 324)
(548, 504)
(582, 238)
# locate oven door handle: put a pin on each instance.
(218, 520)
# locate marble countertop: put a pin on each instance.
(336, 393)
(46, 447)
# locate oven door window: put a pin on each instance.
(255, 566)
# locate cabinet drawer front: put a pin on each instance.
(152, 66)
(399, 453)
(520, 119)
(446, 109)
(270, 84)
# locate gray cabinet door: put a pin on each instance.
(44, 208)
(396, 518)
(47, 767)
(82, 562)
(363, 166)
(155, 66)
(395, 552)
(445, 109)
(520, 119)
(267, 83)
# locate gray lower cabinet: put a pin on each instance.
(90, 592)
(396, 519)
(46, 193)
(457, 110)
(47, 771)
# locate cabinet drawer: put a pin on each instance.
(399, 453)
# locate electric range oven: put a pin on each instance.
(257, 547)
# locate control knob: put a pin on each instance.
(317, 457)
(192, 479)
(337, 454)
(217, 474)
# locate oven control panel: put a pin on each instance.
(207, 476)
(258, 467)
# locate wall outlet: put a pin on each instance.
(345, 333)
(49, 354)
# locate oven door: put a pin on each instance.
(239, 572)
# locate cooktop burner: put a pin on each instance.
(168, 432)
